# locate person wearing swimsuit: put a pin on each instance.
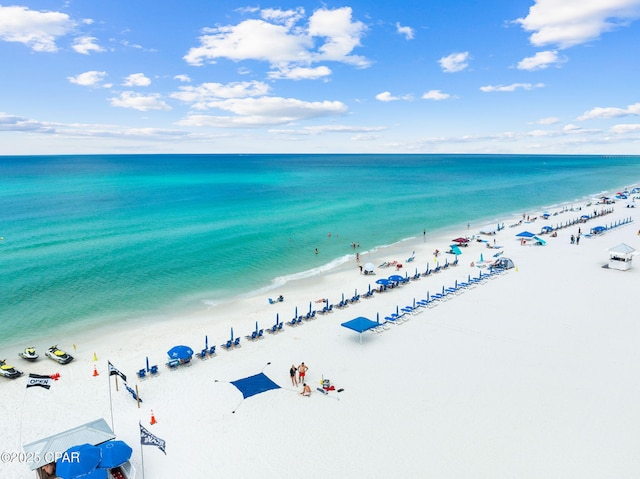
(302, 370)
(292, 373)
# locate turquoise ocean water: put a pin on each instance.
(105, 238)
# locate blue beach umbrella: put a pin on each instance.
(114, 454)
(180, 352)
(147, 363)
(277, 318)
(206, 342)
(369, 291)
(378, 318)
(78, 460)
(232, 333)
(310, 307)
(256, 326)
(296, 313)
(327, 301)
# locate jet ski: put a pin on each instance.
(58, 355)
(29, 354)
(9, 372)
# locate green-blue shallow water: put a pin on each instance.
(105, 237)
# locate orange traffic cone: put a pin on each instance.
(95, 371)
(153, 418)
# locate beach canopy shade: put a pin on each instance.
(77, 461)
(598, 229)
(525, 234)
(368, 267)
(180, 352)
(623, 249)
(256, 384)
(382, 281)
(114, 454)
(360, 325)
(547, 229)
(455, 250)
(460, 240)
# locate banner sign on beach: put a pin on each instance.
(39, 380)
(113, 370)
(148, 439)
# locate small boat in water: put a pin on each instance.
(9, 372)
(58, 355)
(29, 354)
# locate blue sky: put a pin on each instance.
(460, 76)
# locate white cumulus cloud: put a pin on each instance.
(264, 111)
(281, 39)
(135, 101)
(455, 62)
(610, 112)
(90, 78)
(36, 29)
(568, 23)
(86, 45)
(406, 31)
(541, 60)
(301, 73)
(435, 95)
(136, 79)
(207, 95)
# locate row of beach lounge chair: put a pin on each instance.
(402, 315)
(398, 317)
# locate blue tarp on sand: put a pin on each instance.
(253, 385)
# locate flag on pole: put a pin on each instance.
(148, 439)
(39, 380)
(133, 393)
(113, 370)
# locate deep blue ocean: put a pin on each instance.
(110, 237)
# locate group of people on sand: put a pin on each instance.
(298, 379)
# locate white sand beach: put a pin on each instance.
(532, 374)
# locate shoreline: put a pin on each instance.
(388, 252)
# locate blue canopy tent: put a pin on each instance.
(525, 234)
(360, 325)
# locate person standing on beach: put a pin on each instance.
(292, 373)
(302, 370)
